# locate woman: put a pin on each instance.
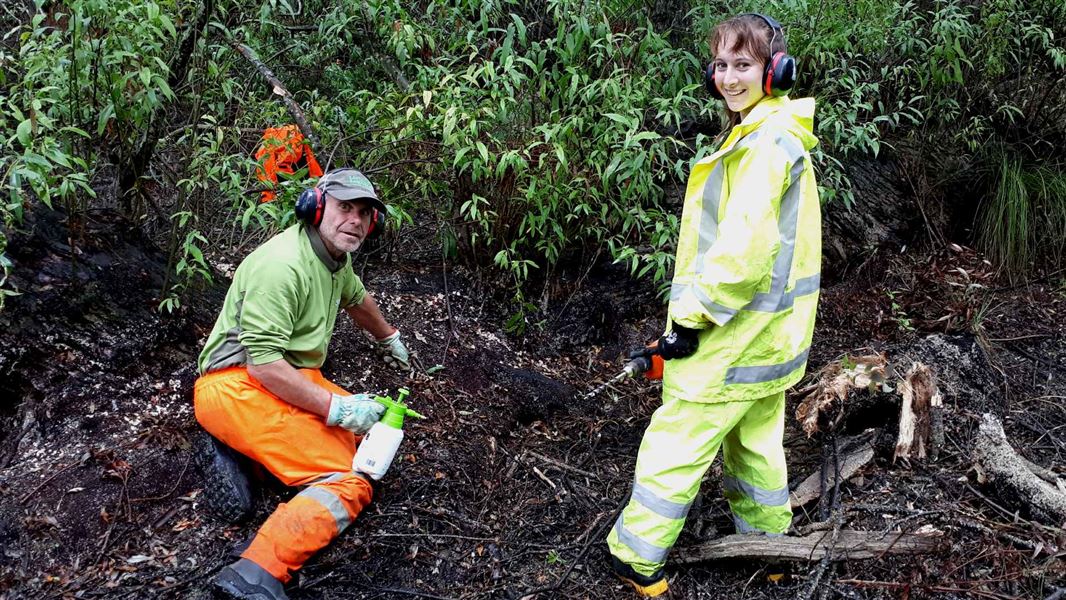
(742, 309)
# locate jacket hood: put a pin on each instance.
(797, 116)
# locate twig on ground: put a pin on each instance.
(545, 478)
(1002, 535)
(560, 464)
(581, 555)
(943, 589)
(172, 490)
(34, 491)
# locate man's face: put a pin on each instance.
(344, 225)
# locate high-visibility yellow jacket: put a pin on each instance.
(749, 259)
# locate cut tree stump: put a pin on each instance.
(1006, 467)
(850, 545)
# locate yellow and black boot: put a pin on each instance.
(646, 586)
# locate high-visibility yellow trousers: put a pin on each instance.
(298, 448)
(678, 447)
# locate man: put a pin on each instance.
(261, 393)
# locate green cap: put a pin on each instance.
(349, 184)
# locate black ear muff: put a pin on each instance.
(712, 83)
(780, 75)
(310, 206)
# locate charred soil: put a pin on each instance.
(508, 488)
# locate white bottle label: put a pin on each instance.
(377, 450)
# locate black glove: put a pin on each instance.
(679, 342)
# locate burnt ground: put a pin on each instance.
(507, 489)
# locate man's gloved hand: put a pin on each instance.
(394, 352)
(356, 413)
(679, 342)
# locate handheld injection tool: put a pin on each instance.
(646, 361)
(379, 446)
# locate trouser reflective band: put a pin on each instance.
(678, 447)
(642, 548)
(755, 476)
(307, 523)
(768, 497)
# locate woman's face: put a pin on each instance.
(739, 77)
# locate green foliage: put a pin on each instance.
(87, 77)
(91, 72)
(543, 136)
(190, 265)
(541, 147)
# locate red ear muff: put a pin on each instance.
(310, 206)
(780, 75)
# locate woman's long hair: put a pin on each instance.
(751, 34)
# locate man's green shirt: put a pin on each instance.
(283, 303)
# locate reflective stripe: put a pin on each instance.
(712, 196)
(745, 527)
(764, 373)
(647, 551)
(660, 506)
(786, 227)
(722, 313)
(331, 477)
(778, 497)
(776, 299)
(777, 303)
(331, 502)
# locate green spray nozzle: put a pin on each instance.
(396, 410)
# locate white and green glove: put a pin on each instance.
(356, 413)
(394, 352)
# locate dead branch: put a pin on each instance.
(1001, 463)
(811, 487)
(850, 544)
(279, 88)
(560, 464)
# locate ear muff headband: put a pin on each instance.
(779, 75)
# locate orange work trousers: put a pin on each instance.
(298, 448)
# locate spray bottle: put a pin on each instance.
(379, 446)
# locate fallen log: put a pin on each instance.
(1001, 464)
(851, 544)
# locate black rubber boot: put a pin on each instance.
(227, 491)
(246, 580)
(646, 586)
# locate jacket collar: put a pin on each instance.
(798, 112)
(319, 247)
